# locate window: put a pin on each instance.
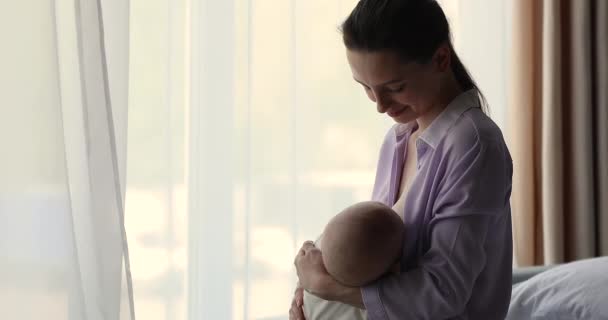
(297, 141)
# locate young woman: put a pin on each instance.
(443, 166)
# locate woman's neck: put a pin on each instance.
(448, 92)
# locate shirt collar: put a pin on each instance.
(403, 128)
(444, 121)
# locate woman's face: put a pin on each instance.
(404, 91)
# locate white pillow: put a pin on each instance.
(577, 290)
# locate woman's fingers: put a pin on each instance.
(292, 308)
(299, 297)
(299, 314)
(295, 312)
(306, 246)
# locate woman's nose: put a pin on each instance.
(381, 103)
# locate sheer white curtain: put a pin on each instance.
(61, 190)
(246, 134)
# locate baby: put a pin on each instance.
(359, 245)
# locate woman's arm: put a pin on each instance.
(440, 286)
(470, 217)
(351, 296)
(469, 231)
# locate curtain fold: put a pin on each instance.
(522, 121)
(552, 134)
(62, 236)
(92, 119)
(557, 119)
(211, 159)
(601, 120)
(580, 208)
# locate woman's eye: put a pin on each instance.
(397, 89)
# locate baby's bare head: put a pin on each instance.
(362, 242)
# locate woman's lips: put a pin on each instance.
(395, 113)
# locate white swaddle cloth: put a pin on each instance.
(316, 308)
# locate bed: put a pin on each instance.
(576, 290)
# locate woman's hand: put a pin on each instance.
(315, 279)
(296, 312)
(312, 275)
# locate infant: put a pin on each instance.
(359, 245)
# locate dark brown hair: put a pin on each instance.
(414, 29)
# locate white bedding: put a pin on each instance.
(577, 290)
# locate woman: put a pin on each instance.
(444, 167)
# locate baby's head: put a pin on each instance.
(362, 242)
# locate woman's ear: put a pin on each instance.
(443, 58)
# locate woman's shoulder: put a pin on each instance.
(462, 125)
(474, 124)
(473, 130)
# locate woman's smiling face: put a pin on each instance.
(404, 91)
